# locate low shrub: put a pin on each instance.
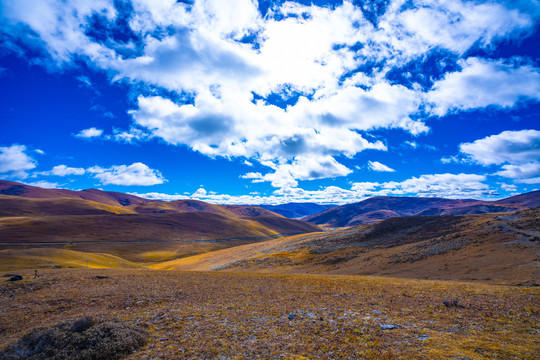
(83, 339)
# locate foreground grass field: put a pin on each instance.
(245, 316)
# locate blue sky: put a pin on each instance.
(246, 102)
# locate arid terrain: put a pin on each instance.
(194, 315)
(230, 282)
(491, 248)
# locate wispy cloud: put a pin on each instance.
(377, 166)
(90, 133)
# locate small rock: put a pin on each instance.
(15, 278)
(451, 303)
(389, 326)
(164, 339)
(57, 267)
(101, 277)
(535, 285)
(423, 337)
(291, 316)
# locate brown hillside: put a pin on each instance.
(20, 206)
(187, 226)
(490, 248)
(110, 198)
(384, 207)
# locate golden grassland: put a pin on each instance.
(39, 258)
(491, 248)
(274, 316)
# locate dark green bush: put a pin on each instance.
(83, 339)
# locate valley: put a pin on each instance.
(210, 281)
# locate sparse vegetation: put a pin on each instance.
(270, 316)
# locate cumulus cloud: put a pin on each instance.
(63, 170)
(134, 174)
(523, 171)
(434, 185)
(513, 147)
(482, 83)
(328, 66)
(302, 168)
(15, 162)
(90, 133)
(377, 166)
(439, 185)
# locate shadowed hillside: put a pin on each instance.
(490, 248)
(385, 207)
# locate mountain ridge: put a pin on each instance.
(384, 207)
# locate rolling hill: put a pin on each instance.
(497, 248)
(125, 225)
(385, 207)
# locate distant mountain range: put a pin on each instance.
(385, 207)
(31, 214)
(297, 210)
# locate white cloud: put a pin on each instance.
(513, 147)
(509, 187)
(134, 174)
(438, 185)
(63, 170)
(377, 166)
(90, 133)
(522, 171)
(435, 185)
(412, 144)
(453, 25)
(333, 61)
(15, 162)
(302, 168)
(535, 180)
(482, 83)
(450, 159)
(44, 184)
(84, 80)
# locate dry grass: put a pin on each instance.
(46, 258)
(246, 316)
(493, 248)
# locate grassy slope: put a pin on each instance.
(490, 248)
(138, 227)
(17, 259)
(246, 316)
(19, 206)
